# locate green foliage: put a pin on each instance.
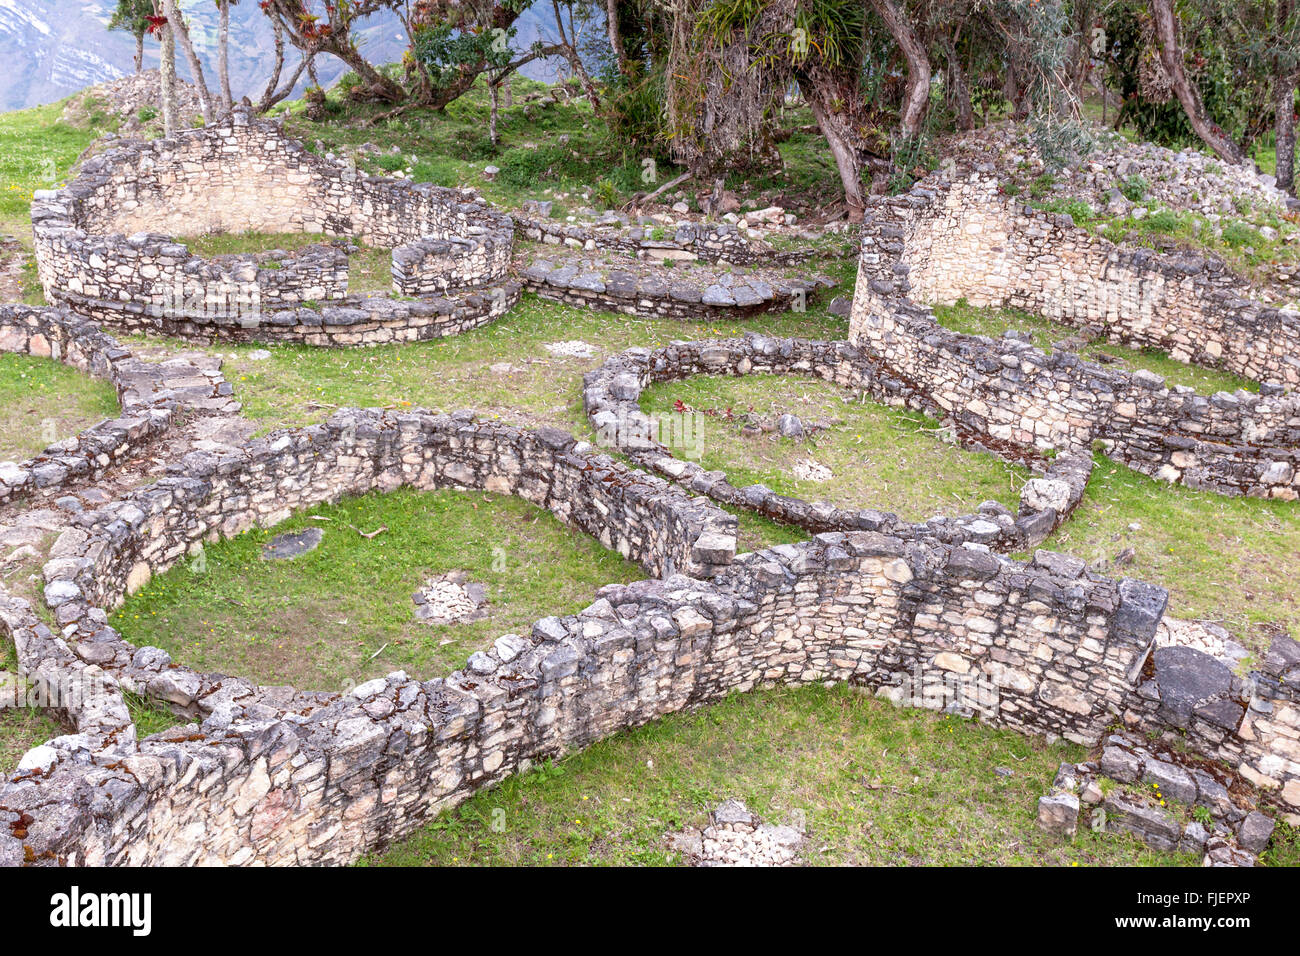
(444, 49)
(1134, 189)
(521, 168)
(1238, 234)
(1041, 186)
(607, 194)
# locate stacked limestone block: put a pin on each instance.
(1008, 390)
(150, 394)
(611, 396)
(105, 247)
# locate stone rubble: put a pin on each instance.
(737, 837)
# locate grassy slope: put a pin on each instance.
(43, 401)
(780, 749)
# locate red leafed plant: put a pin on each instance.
(156, 23)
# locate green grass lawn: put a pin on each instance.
(43, 401)
(1231, 560)
(971, 320)
(880, 457)
(877, 785)
(301, 385)
(344, 611)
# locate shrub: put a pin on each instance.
(1134, 189)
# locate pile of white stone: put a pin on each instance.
(1205, 636)
(737, 837)
(125, 98)
(1184, 180)
(450, 599)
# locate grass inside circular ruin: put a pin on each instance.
(21, 728)
(344, 612)
(370, 268)
(877, 785)
(876, 456)
(1047, 335)
(1234, 561)
(43, 401)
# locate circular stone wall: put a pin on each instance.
(105, 244)
(149, 393)
(933, 243)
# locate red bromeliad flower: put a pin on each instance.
(156, 23)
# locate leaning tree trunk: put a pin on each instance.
(835, 127)
(1171, 58)
(917, 96)
(167, 73)
(223, 55)
(182, 33)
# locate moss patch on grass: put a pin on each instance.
(43, 401)
(344, 612)
(880, 457)
(876, 785)
(971, 320)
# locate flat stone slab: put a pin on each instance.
(285, 547)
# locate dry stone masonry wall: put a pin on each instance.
(277, 775)
(105, 245)
(150, 395)
(611, 396)
(1232, 443)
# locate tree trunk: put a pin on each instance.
(917, 96)
(223, 55)
(957, 87)
(495, 92)
(509, 87)
(167, 72)
(1285, 127)
(139, 52)
(568, 42)
(837, 130)
(273, 93)
(616, 38)
(182, 34)
(1285, 77)
(1171, 58)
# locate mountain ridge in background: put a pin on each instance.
(54, 48)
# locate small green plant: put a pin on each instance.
(1041, 186)
(607, 194)
(1238, 234)
(1134, 189)
(147, 114)
(1203, 816)
(1164, 220)
(1078, 210)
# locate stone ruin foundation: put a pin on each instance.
(934, 615)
